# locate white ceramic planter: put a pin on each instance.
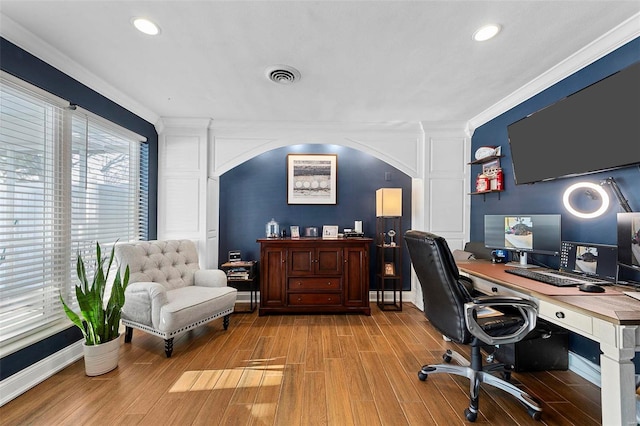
(100, 359)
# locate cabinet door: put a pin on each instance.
(356, 277)
(329, 261)
(273, 277)
(301, 261)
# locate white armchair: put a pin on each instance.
(168, 293)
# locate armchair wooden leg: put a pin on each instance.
(168, 347)
(128, 334)
(225, 321)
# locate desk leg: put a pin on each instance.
(618, 386)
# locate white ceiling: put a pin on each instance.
(361, 61)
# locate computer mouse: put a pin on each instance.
(591, 288)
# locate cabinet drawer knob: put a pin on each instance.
(299, 299)
(560, 314)
(299, 283)
(329, 283)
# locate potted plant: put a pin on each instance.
(99, 323)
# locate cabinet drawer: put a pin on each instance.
(330, 283)
(314, 299)
(566, 318)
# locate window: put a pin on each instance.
(68, 178)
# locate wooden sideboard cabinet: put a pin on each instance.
(314, 275)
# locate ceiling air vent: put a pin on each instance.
(283, 74)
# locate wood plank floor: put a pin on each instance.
(293, 370)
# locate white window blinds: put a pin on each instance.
(68, 178)
(30, 129)
(104, 186)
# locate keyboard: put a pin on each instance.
(553, 277)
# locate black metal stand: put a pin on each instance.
(389, 263)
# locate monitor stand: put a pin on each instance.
(523, 261)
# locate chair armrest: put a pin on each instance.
(210, 278)
(527, 309)
(143, 301)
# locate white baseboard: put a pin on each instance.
(22, 381)
(584, 368)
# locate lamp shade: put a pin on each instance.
(389, 202)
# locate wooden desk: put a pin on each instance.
(611, 318)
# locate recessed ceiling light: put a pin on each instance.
(146, 26)
(486, 32)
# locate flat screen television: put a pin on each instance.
(524, 233)
(592, 130)
(629, 240)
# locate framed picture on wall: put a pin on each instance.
(312, 178)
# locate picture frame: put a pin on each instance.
(312, 178)
(295, 232)
(330, 231)
(490, 166)
(389, 269)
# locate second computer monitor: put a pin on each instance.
(524, 233)
(597, 260)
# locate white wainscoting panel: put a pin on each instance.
(181, 153)
(447, 156)
(182, 204)
(447, 206)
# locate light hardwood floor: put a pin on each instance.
(293, 370)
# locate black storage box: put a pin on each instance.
(545, 348)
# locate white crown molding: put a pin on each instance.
(612, 40)
(22, 38)
(228, 127)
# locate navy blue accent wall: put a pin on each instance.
(27, 67)
(254, 192)
(546, 197)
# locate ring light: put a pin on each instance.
(589, 186)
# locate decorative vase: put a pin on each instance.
(100, 359)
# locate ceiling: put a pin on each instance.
(360, 61)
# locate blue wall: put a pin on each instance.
(22, 64)
(256, 191)
(546, 197)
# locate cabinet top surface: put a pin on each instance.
(315, 240)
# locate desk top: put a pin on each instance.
(611, 306)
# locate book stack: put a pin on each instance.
(238, 273)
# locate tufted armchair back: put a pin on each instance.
(171, 263)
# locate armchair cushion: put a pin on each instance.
(185, 304)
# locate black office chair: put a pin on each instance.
(450, 308)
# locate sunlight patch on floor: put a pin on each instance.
(204, 380)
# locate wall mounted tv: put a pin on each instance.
(592, 130)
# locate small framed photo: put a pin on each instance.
(491, 166)
(312, 178)
(295, 232)
(389, 269)
(330, 231)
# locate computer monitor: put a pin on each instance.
(524, 233)
(595, 260)
(629, 240)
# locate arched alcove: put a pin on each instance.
(255, 191)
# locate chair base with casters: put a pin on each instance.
(480, 374)
(451, 308)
